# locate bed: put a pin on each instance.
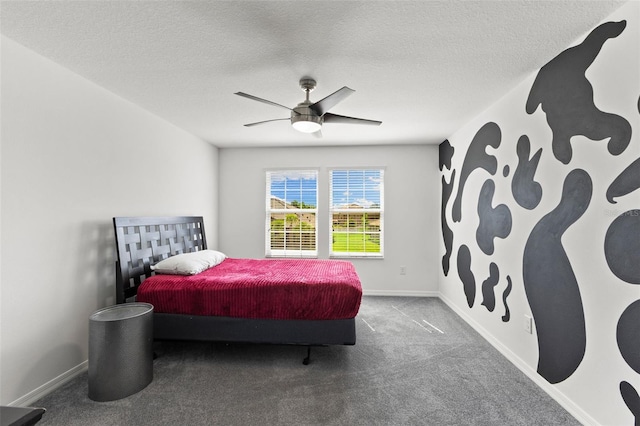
(310, 302)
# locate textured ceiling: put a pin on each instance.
(423, 68)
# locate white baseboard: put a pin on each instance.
(405, 293)
(552, 391)
(50, 386)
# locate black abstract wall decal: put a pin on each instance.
(628, 335)
(494, 222)
(447, 233)
(488, 285)
(622, 246)
(626, 182)
(477, 158)
(507, 313)
(445, 153)
(551, 286)
(566, 96)
(526, 191)
(631, 399)
(466, 275)
(506, 170)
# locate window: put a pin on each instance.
(356, 210)
(292, 200)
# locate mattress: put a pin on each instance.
(310, 289)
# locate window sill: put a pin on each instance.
(337, 256)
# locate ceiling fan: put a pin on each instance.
(307, 116)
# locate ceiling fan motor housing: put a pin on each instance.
(304, 119)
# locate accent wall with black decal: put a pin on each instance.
(541, 223)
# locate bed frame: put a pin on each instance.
(144, 241)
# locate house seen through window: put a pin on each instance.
(356, 211)
(292, 206)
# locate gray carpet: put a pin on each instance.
(402, 371)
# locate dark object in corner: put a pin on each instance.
(20, 416)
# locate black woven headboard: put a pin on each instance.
(144, 241)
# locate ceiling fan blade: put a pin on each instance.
(324, 105)
(255, 98)
(334, 118)
(266, 121)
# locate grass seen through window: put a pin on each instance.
(363, 243)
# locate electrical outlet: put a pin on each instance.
(528, 324)
(403, 270)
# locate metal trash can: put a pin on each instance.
(120, 350)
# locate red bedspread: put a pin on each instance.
(312, 289)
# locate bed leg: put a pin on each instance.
(307, 360)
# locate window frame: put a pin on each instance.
(289, 252)
(378, 211)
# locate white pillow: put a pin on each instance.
(189, 263)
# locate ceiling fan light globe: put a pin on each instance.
(303, 120)
(306, 126)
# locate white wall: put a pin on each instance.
(73, 156)
(591, 393)
(411, 231)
